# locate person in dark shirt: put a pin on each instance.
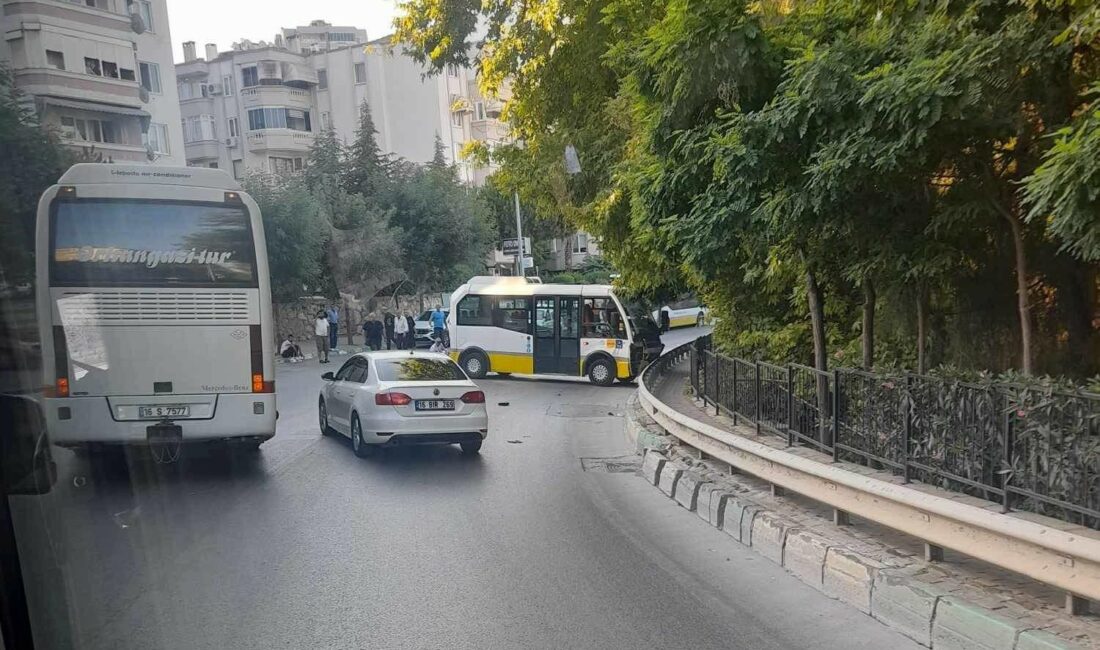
(387, 320)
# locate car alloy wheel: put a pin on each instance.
(360, 448)
(322, 417)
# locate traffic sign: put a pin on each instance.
(511, 246)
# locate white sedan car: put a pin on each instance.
(400, 398)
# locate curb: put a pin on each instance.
(913, 608)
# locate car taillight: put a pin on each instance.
(474, 397)
(392, 399)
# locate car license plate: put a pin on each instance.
(164, 411)
(435, 405)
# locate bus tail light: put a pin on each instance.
(473, 397)
(256, 344)
(62, 387)
(392, 399)
(60, 362)
(257, 383)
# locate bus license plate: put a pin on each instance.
(435, 405)
(164, 411)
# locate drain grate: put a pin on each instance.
(613, 465)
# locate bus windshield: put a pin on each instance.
(127, 242)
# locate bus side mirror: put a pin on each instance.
(328, 376)
(26, 466)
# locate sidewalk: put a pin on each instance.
(1011, 596)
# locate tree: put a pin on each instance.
(33, 160)
(367, 168)
(295, 230)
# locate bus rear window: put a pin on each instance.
(124, 242)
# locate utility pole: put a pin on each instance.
(519, 233)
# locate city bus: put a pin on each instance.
(154, 308)
(510, 325)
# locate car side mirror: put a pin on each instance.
(26, 465)
(328, 376)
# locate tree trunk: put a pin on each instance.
(1023, 300)
(922, 328)
(868, 338)
(821, 362)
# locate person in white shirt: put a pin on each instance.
(289, 349)
(401, 331)
(320, 331)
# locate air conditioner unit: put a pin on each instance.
(231, 141)
(214, 89)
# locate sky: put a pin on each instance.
(224, 21)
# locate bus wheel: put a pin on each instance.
(601, 372)
(476, 364)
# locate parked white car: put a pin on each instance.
(680, 313)
(402, 397)
(424, 328)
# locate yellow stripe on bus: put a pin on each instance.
(623, 368)
(523, 364)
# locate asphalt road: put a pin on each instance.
(538, 542)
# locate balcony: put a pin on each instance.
(63, 83)
(276, 96)
(279, 140)
(111, 151)
(202, 149)
(109, 18)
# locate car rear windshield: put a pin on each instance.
(124, 242)
(418, 369)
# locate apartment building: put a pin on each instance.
(100, 72)
(259, 105)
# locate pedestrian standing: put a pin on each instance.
(320, 331)
(387, 321)
(333, 315)
(439, 323)
(412, 330)
(400, 330)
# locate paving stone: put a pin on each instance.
(905, 604)
(687, 489)
(804, 555)
(1039, 640)
(962, 626)
(737, 519)
(652, 464)
(670, 474)
(849, 577)
(769, 532)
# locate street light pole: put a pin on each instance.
(519, 233)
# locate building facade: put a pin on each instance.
(259, 105)
(100, 72)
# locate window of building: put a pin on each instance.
(55, 59)
(285, 165)
(213, 165)
(250, 77)
(91, 66)
(199, 128)
(513, 314)
(86, 130)
(143, 8)
(150, 76)
(580, 243)
(185, 90)
(233, 127)
(110, 69)
(475, 310)
(322, 79)
(227, 85)
(238, 169)
(452, 70)
(360, 73)
(456, 119)
(479, 110)
(279, 118)
(157, 138)
(325, 121)
(126, 74)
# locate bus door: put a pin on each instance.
(557, 335)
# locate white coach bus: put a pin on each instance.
(510, 325)
(154, 308)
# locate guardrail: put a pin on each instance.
(1047, 550)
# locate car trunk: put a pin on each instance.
(431, 391)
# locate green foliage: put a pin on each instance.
(295, 230)
(32, 161)
(367, 170)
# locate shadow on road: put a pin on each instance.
(442, 464)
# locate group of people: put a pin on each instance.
(396, 330)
